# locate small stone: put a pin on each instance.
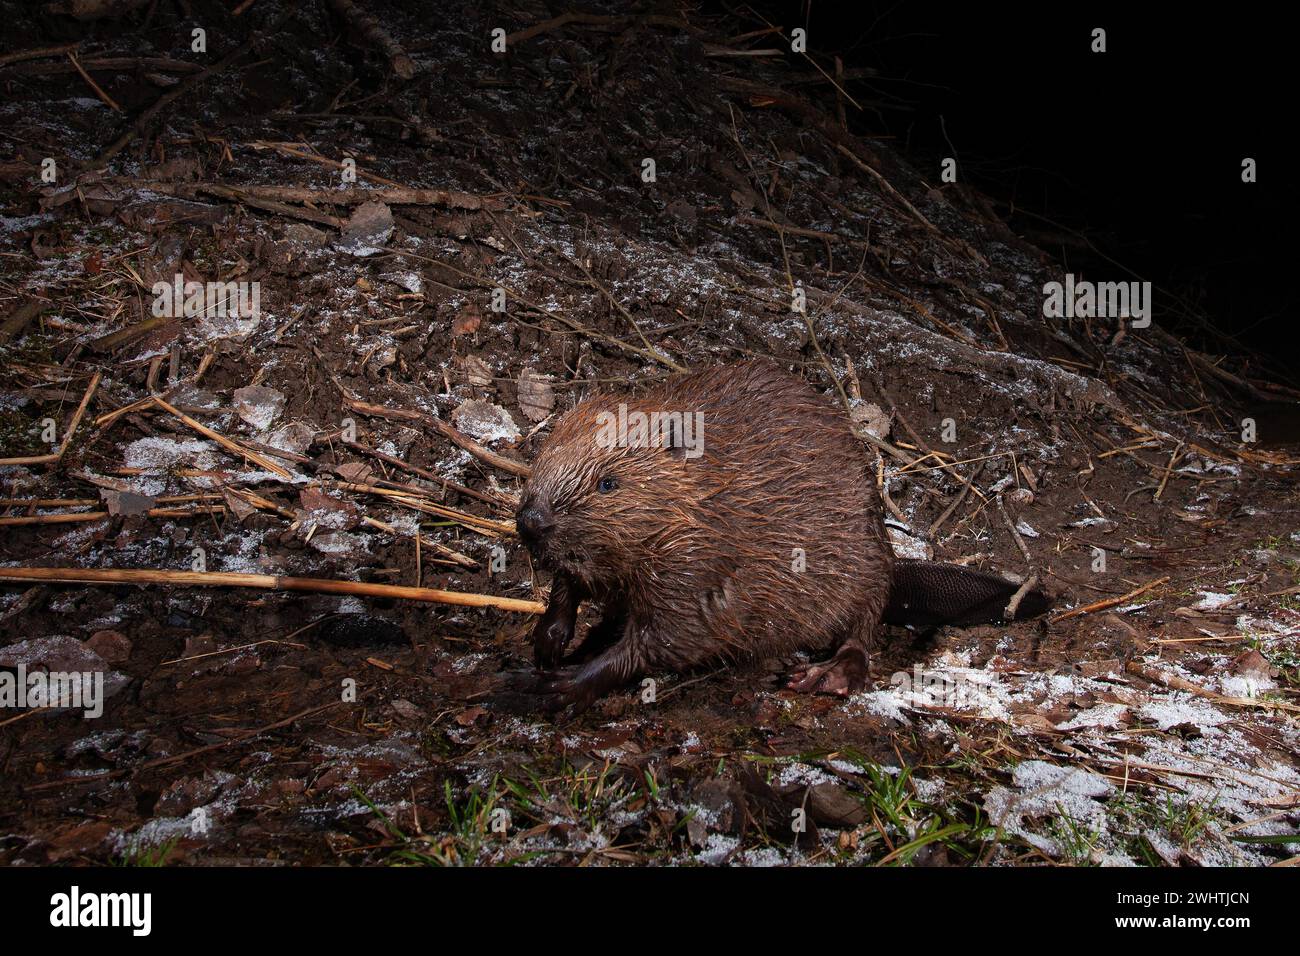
(126, 502)
(467, 320)
(112, 646)
(307, 235)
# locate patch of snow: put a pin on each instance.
(1211, 600)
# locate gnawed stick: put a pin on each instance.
(1169, 468)
(270, 205)
(422, 543)
(372, 32)
(1108, 602)
(956, 502)
(115, 340)
(1014, 604)
(91, 502)
(38, 53)
(109, 64)
(79, 414)
(418, 503)
(265, 504)
(268, 582)
(961, 244)
(95, 87)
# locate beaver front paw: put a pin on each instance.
(843, 675)
(552, 634)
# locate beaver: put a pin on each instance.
(726, 514)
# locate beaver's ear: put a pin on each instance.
(674, 440)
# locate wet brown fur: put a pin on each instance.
(694, 558)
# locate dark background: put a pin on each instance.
(1136, 151)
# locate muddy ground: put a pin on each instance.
(270, 728)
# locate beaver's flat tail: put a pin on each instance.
(929, 593)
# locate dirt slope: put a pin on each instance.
(1160, 729)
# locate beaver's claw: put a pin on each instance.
(563, 693)
(551, 635)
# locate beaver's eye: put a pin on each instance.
(607, 484)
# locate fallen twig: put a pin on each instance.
(651, 355)
(448, 431)
(1020, 542)
(455, 557)
(1173, 460)
(38, 53)
(1108, 602)
(289, 150)
(17, 319)
(495, 501)
(74, 517)
(1014, 604)
(417, 502)
(372, 32)
(229, 650)
(230, 445)
(57, 456)
(106, 64)
(143, 120)
(98, 90)
(1174, 682)
(268, 582)
(353, 196)
(953, 505)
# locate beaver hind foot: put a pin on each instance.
(843, 675)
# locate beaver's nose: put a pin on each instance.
(535, 520)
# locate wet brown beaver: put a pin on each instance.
(727, 514)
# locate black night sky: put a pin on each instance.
(1139, 148)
